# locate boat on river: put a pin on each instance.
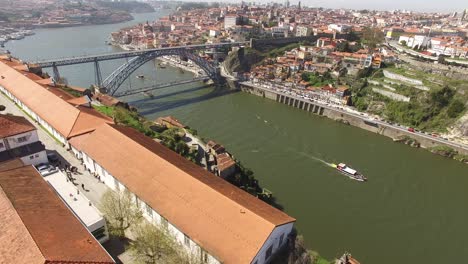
(348, 171)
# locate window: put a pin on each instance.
(203, 256)
(268, 252)
(116, 184)
(149, 210)
(22, 139)
(137, 201)
(99, 233)
(164, 222)
(281, 239)
(36, 156)
(186, 240)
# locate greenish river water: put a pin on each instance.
(413, 209)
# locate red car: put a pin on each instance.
(410, 129)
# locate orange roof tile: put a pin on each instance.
(191, 198)
(37, 227)
(54, 110)
(50, 104)
(11, 125)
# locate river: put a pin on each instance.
(413, 209)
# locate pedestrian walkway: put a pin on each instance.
(96, 188)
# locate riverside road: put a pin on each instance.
(346, 110)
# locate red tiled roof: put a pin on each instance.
(37, 227)
(11, 125)
(191, 198)
(67, 119)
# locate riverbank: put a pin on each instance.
(175, 62)
(376, 126)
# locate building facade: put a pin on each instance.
(19, 139)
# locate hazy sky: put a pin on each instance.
(416, 5)
(422, 5)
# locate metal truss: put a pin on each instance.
(112, 83)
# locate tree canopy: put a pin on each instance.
(155, 244)
(120, 211)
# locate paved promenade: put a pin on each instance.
(94, 188)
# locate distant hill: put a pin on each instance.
(131, 6)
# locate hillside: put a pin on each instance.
(421, 99)
(131, 7)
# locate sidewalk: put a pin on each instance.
(96, 189)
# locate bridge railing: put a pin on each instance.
(125, 54)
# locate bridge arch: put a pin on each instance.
(113, 82)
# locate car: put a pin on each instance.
(46, 169)
(52, 157)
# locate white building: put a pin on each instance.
(63, 119)
(340, 28)
(214, 33)
(215, 220)
(418, 41)
(303, 31)
(18, 139)
(230, 21)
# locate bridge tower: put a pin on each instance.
(56, 72)
(97, 73)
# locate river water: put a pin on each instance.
(413, 209)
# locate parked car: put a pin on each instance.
(52, 157)
(46, 169)
(410, 129)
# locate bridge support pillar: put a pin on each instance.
(97, 73)
(56, 73)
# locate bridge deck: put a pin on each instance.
(126, 54)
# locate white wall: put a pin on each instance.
(13, 141)
(274, 239)
(2, 145)
(35, 159)
(42, 122)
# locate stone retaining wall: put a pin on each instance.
(347, 118)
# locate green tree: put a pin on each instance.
(2, 108)
(455, 108)
(152, 244)
(343, 46)
(371, 37)
(155, 244)
(403, 43)
(120, 211)
(441, 59)
(441, 98)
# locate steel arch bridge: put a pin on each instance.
(112, 83)
(136, 59)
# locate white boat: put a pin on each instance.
(348, 171)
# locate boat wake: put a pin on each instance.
(317, 159)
